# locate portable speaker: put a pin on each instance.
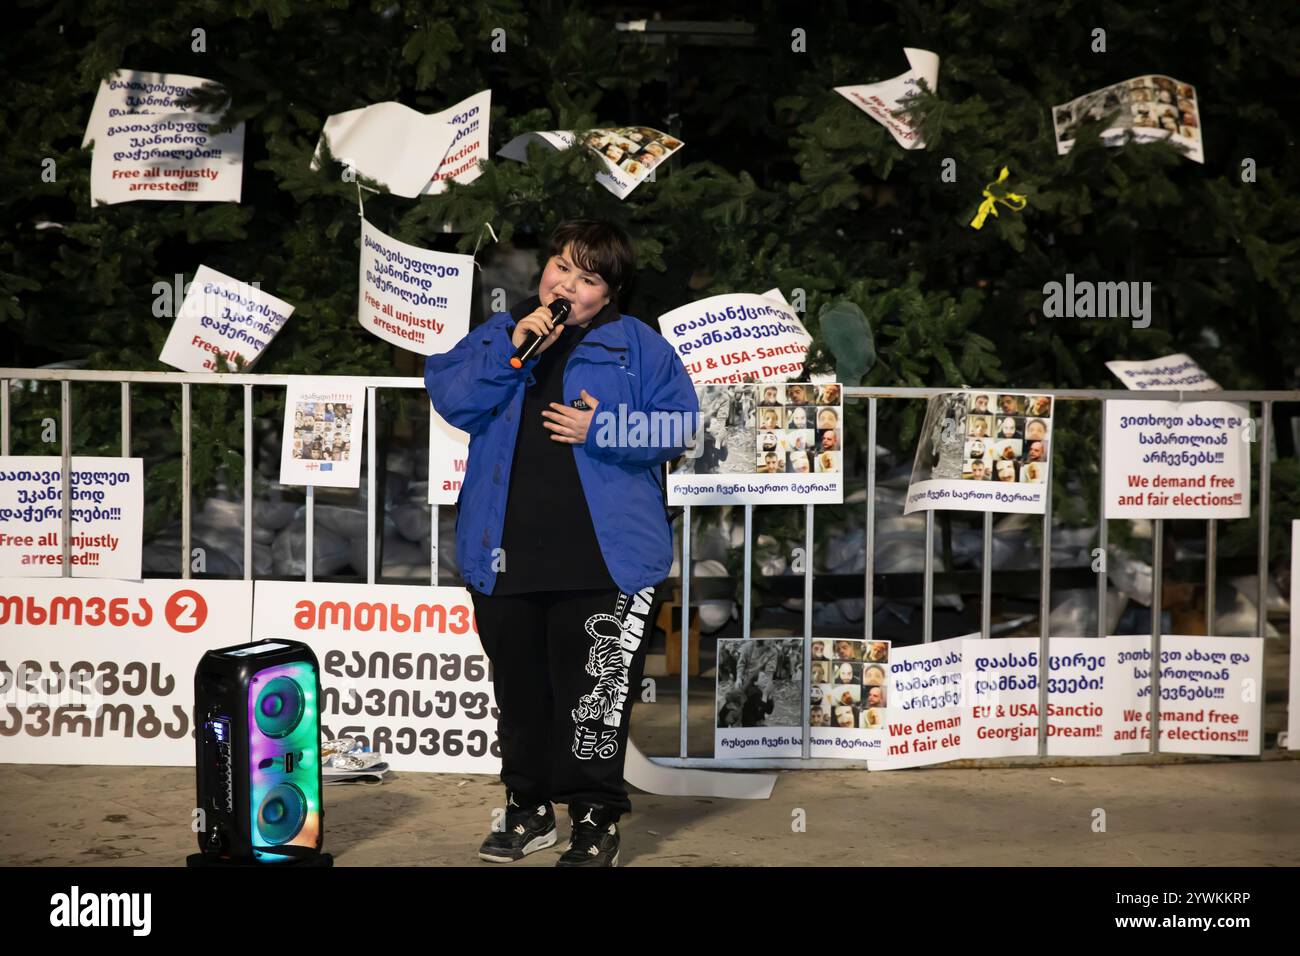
(257, 723)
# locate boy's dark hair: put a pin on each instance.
(599, 246)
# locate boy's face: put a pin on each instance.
(587, 292)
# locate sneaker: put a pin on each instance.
(528, 829)
(594, 841)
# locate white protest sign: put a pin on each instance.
(148, 147)
(401, 668)
(881, 100)
(851, 700)
(1209, 695)
(448, 454)
(470, 121)
(323, 420)
(630, 153)
(1000, 706)
(983, 451)
(414, 298)
(102, 672)
(1171, 460)
(107, 516)
(737, 337)
(1173, 372)
(1090, 682)
(389, 143)
(222, 316)
(1146, 108)
(925, 693)
(763, 443)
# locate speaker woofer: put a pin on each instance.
(282, 813)
(280, 707)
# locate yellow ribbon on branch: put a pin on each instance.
(1013, 201)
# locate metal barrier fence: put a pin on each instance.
(186, 381)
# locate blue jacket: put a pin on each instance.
(628, 368)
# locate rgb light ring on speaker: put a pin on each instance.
(279, 707)
(266, 759)
(282, 813)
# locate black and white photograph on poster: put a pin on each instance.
(322, 433)
(849, 698)
(983, 450)
(764, 443)
(759, 698)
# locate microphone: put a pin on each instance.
(559, 311)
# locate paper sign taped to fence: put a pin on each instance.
(1000, 703)
(1089, 684)
(765, 443)
(222, 316)
(630, 153)
(729, 339)
(107, 667)
(983, 451)
(146, 146)
(107, 516)
(881, 100)
(925, 691)
(1173, 372)
(851, 706)
(1145, 108)
(1172, 460)
(1209, 701)
(448, 456)
(401, 668)
(759, 698)
(390, 143)
(323, 421)
(414, 298)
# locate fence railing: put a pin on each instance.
(872, 396)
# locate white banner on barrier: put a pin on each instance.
(1177, 460)
(1090, 683)
(448, 457)
(107, 516)
(102, 672)
(1000, 703)
(401, 668)
(1209, 689)
(925, 691)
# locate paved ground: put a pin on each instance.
(1223, 814)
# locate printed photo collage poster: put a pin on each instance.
(967, 698)
(629, 153)
(322, 433)
(983, 450)
(1147, 107)
(764, 443)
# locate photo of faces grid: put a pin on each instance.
(633, 149)
(322, 431)
(1154, 103)
(1007, 437)
(768, 429)
(849, 684)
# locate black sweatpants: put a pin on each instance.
(566, 668)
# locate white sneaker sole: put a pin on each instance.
(532, 846)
